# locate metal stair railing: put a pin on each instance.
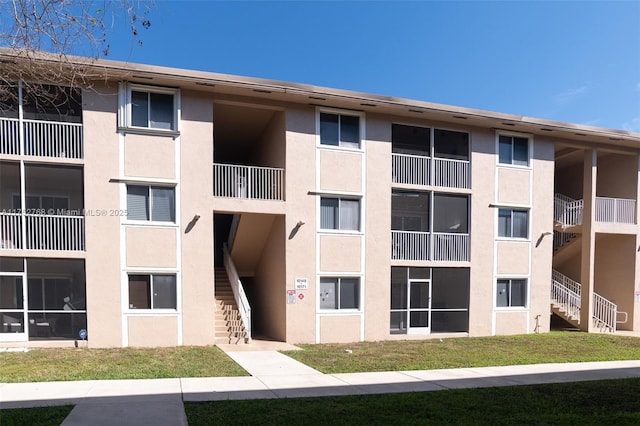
(566, 293)
(567, 211)
(238, 293)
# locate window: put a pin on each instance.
(513, 223)
(340, 130)
(339, 293)
(410, 140)
(450, 144)
(513, 150)
(151, 108)
(340, 213)
(154, 203)
(152, 292)
(511, 293)
(44, 204)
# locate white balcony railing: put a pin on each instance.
(250, 182)
(450, 247)
(52, 232)
(9, 136)
(416, 170)
(451, 173)
(410, 245)
(10, 231)
(615, 210)
(437, 246)
(41, 138)
(411, 169)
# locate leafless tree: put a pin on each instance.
(39, 37)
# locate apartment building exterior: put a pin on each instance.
(165, 207)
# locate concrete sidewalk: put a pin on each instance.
(274, 375)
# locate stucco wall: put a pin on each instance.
(104, 316)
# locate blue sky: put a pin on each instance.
(570, 61)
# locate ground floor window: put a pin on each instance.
(154, 291)
(511, 293)
(339, 293)
(429, 300)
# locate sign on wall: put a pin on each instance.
(301, 284)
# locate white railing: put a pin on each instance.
(451, 173)
(53, 232)
(238, 292)
(566, 293)
(250, 182)
(565, 298)
(41, 138)
(567, 282)
(410, 169)
(450, 247)
(10, 231)
(615, 210)
(416, 170)
(9, 136)
(567, 211)
(437, 246)
(410, 245)
(604, 312)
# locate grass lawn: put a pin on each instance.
(467, 352)
(45, 365)
(586, 403)
(40, 416)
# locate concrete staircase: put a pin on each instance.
(229, 326)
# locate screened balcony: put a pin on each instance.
(421, 232)
(418, 161)
(50, 217)
(51, 123)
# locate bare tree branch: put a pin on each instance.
(62, 28)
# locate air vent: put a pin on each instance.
(262, 91)
(416, 110)
(317, 98)
(205, 84)
(461, 117)
(508, 124)
(546, 130)
(143, 77)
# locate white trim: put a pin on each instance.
(337, 111)
(124, 287)
(125, 107)
(129, 180)
(525, 308)
(178, 210)
(528, 136)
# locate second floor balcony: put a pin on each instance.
(248, 182)
(430, 246)
(28, 231)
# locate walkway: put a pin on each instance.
(274, 375)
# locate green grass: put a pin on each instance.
(45, 365)
(467, 352)
(586, 403)
(40, 416)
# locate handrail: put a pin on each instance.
(567, 211)
(238, 291)
(567, 293)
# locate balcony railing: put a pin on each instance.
(41, 138)
(568, 212)
(248, 182)
(615, 210)
(10, 231)
(424, 246)
(42, 232)
(416, 170)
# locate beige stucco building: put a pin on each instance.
(167, 207)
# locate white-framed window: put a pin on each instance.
(152, 291)
(151, 203)
(513, 150)
(43, 204)
(511, 293)
(149, 107)
(340, 213)
(337, 293)
(513, 223)
(341, 130)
